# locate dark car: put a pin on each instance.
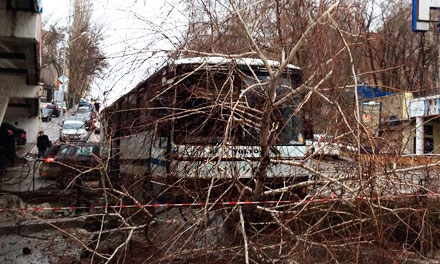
(55, 109)
(65, 161)
(83, 103)
(19, 134)
(46, 114)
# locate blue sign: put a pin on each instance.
(365, 91)
(420, 14)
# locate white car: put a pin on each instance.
(83, 109)
(73, 130)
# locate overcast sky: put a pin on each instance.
(133, 29)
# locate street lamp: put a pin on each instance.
(63, 78)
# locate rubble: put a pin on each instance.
(30, 236)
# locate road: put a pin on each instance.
(52, 130)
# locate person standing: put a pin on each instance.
(12, 147)
(97, 106)
(7, 147)
(43, 143)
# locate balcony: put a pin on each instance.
(20, 39)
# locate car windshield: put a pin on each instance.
(10, 127)
(45, 110)
(82, 117)
(83, 112)
(72, 125)
(53, 151)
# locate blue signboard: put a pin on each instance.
(368, 92)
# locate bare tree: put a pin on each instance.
(361, 208)
(86, 60)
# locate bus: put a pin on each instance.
(195, 123)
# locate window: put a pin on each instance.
(73, 125)
(84, 151)
(204, 108)
(66, 152)
(133, 100)
(429, 145)
(53, 151)
(429, 130)
(288, 124)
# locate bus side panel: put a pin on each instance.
(213, 169)
(229, 169)
(135, 153)
(158, 161)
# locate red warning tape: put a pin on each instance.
(232, 203)
(142, 206)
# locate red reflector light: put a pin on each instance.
(49, 160)
(23, 135)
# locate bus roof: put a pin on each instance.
(223, 60)
(212, 60)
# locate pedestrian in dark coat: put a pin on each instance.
(97, 106)
(4, 147)
(12, 147)
(43, 143)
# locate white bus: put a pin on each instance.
(196, 121)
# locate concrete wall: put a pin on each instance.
(22, 117)
(4, 100)
(20, 35)
(16, 86)
(394, 107)
(19, 24)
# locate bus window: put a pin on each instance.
(204, 103)
(287, 123)
(200, 117)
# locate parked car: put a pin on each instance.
(59, 106)
(46, 114)
(55, 110)
(64, 161)
(83, 103)
(19, 134)
(73, 130)
(83, 109)
(85, 116)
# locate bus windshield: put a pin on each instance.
(210, 110)
(286, 122)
